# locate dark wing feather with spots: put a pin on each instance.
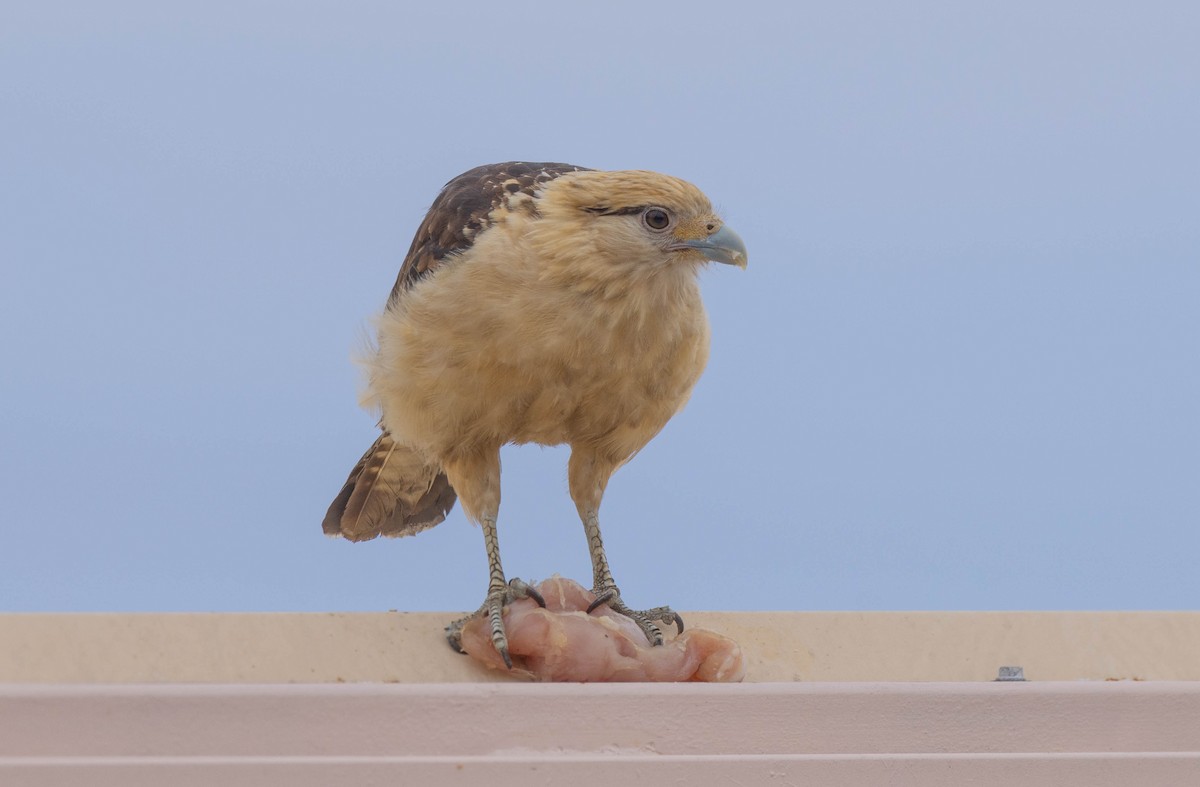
(461, 211)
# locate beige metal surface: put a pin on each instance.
(780, 647)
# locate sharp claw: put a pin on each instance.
(600, 601)
(536, 596)
(519, 588)
(678, 622)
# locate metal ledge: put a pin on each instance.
(893, 698)
(780, 647)
(1104, 733)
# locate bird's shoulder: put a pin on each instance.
(464, 208)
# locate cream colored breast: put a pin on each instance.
(490, 354)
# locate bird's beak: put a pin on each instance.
(724, 245)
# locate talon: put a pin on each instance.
(601, 600)
(644, 618)
(522, 589)
(541, 602)
(493, 610)
(666, 615)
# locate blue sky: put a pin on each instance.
(961, 372)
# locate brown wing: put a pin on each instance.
(390, 492)
(462, 210)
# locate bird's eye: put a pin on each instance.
(656, 218)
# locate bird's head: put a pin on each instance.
(632, 222)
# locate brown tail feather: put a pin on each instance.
(392, 491)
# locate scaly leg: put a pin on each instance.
(588, 476)
(476, 478)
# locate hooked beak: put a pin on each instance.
(724, 246)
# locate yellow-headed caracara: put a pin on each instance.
(539, 303)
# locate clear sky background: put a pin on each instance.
(961, 372)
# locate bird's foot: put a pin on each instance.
(493, 607)
(645, 618)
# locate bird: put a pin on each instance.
(544, 303)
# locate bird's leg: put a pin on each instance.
(499, 594)
(476, 478)
(607, 592)
(588, 476)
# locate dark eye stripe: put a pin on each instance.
(604, 210)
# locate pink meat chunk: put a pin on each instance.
(563, 643)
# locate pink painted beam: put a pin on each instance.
(1094, 733)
